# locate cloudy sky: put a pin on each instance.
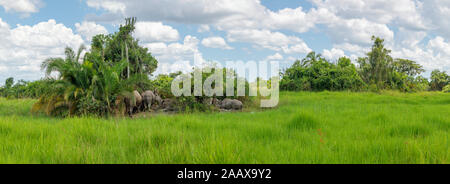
(226, 30)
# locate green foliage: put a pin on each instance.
(446, 89)
(9, 82)
(100, 82)
(24, 89)
(377, 67)
(421, 84)
(196, 102)
(405, 76)
(317, 74)
(96, 83)
(163, 83)
(121, 46)
(439, 80)
(408, 67)
(377, 71)
(91, 106)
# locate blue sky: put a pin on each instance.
(225, 30)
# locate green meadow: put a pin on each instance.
(306, 128)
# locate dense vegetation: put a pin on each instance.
(324, 127)
(100, 81)
(24, 89)
(377, 71)
(103, 80)
(315, 73)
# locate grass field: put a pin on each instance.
(314, 128)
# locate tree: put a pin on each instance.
(408, 67)
(121, 46)
(87, 87)
(446, 89)
(9, 82)
(311, 58)
(377, 67)
(344, 62)
(98, 82)
(439, 80)
(316, 73)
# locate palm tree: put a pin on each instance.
(95, 81)
(115, 66)
(72, 84)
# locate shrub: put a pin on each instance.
(163, 84)
(446, 89)
(315, 73)
(90, 106)
(439, 80)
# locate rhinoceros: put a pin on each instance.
(132, 104)
(157, 100)
(231, 104)
(147, 99)
(216, 102)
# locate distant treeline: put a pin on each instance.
(377, 71)
(25, 89)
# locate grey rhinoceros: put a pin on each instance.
(133, 103)
(216, 102)
(151, 99)
(147, 99)
(231, 104)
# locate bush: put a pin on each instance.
(163, 84)
(197, 103)
(374, 88)
(439, 80)
(24, 89)
(315, 73)
(446, 89)
(89, 106)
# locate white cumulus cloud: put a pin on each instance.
(276, 56)
(155, 32)
(25, 47)
(270, 40)
(24, 7)
(176, 56)
(90, 29)
(216, 42)
(333, 54)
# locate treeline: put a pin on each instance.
(377, 71)
(25, 89)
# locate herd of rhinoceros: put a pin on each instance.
(151, 100)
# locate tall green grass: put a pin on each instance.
(311, 128)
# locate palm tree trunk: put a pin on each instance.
(128, 67)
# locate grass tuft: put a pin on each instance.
(303, 122)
